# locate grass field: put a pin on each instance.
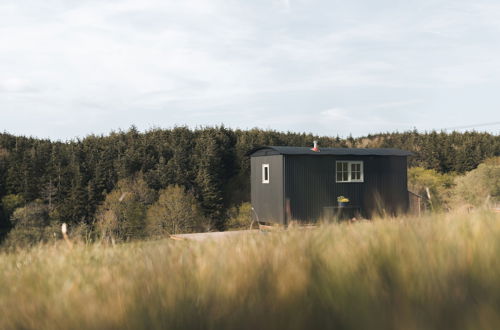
(436, 272)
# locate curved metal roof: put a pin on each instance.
(332, 151)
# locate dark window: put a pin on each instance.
(265, 173)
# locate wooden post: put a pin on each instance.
(429, 196)
(64, 230)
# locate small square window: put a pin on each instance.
(265, 173)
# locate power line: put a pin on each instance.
(472, 126)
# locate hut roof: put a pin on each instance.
(277, 150)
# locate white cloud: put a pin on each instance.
(286, 4)
(333, 115)
(16, 85)
(397, 104)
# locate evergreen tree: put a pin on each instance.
(72, 179)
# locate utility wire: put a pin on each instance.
(471, 126)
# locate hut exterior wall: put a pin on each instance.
(310, 185)
(268, 198)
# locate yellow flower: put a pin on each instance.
(342, 199)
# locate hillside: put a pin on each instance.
(71, 181)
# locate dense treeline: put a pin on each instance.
(72, 179)
(443, 152)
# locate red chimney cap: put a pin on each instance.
(315, 148)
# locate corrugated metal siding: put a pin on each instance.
(310, 185)
(386, 187)
(268, 198)
(307, 185)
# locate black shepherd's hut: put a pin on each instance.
(303, 184)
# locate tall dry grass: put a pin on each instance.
(437, 272)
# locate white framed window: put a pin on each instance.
(265, 173)
(349, 171)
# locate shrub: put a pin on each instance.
(176, 211)
(439, 185)
(11, 202)
(32, 225)
(7, 206)
(479, 185)
(81, 232)
(122, 215)
(240, 217)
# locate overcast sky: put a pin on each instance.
(70, 68)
